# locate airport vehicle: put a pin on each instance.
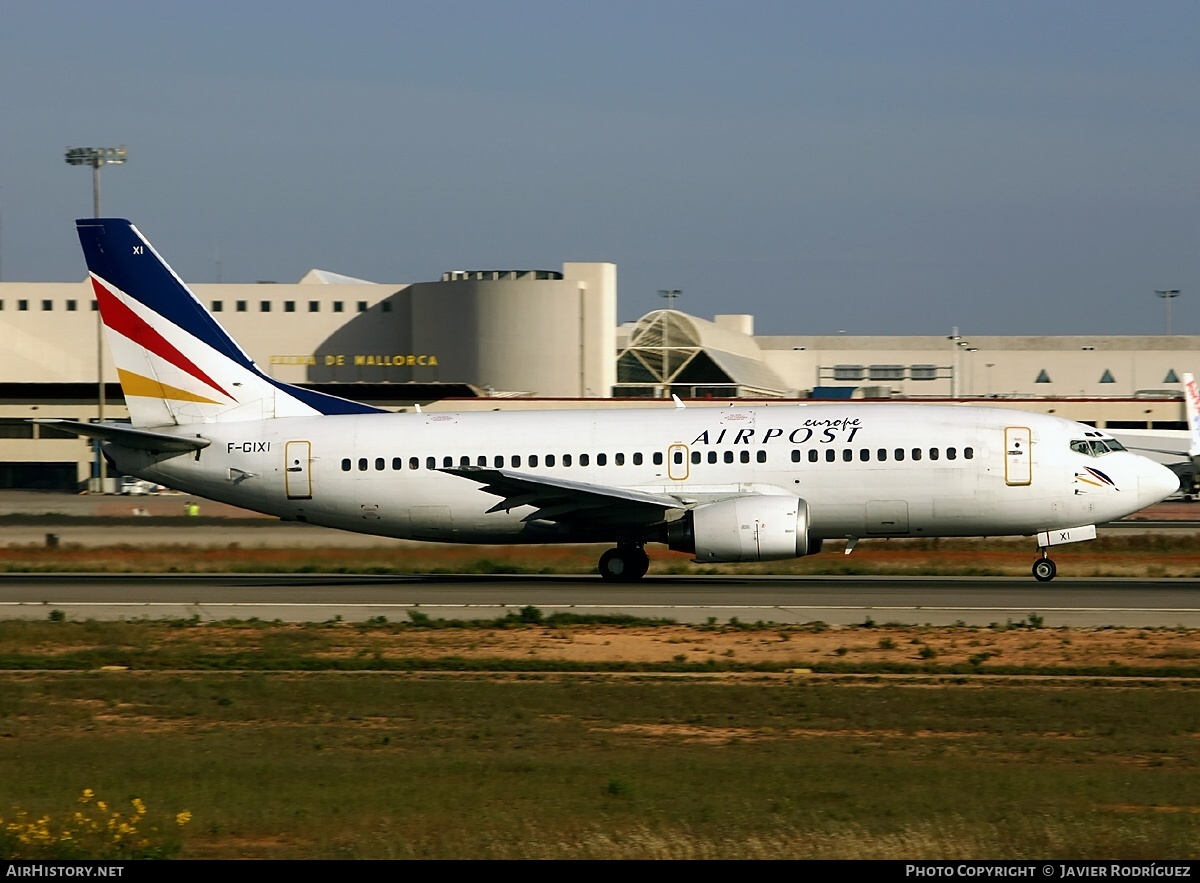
(726, 484)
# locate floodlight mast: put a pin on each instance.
(97, 157)
(670, 295)
(1167, 294)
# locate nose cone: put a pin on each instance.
(1155, 482)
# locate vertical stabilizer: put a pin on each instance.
(1191, 398)
(176, 364)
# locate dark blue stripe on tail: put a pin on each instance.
(116, 254)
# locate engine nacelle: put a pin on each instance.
(751, 528)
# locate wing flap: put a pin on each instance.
(563, 501)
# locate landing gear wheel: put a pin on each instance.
(1044, 570)
(624, 565)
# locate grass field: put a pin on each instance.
(422, 763)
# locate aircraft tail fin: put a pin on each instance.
(1192, 403)
(176, 364)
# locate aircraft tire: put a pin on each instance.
(1044, 570)
(623, 565)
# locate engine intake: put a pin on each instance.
(750, 528)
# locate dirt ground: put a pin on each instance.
(1009, 646)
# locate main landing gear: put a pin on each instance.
(1044, 569)
(624, 564)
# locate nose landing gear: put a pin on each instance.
(624, 564)
(1044, 569)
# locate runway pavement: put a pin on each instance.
(688, 599)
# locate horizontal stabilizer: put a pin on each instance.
(128, 437)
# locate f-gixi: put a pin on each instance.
(726, 484)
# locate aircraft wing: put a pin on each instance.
(125, 435)
(559, 500)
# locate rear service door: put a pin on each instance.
(298, 463)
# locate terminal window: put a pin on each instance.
(218, 306)
(289, 306)
(241, 306)
(314, 306)
(72, 305)
(47, 305)
(362, 306)
(337, 306)
(265, 306)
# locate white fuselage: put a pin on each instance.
(864, 469)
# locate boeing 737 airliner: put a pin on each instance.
(742, 483)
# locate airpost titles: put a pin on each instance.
(841, 429)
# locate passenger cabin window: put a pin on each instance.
(658, 458)
(729, 456)
(397, 462)
(602, 459)
(744, 456)
(761, 456)
(637, 459)
(431, 462)
(346, 464)
(379, 464)
(566, 459)
(619, 459)
(916, 453)
(549, 459)
(533, 461)
(516, 461)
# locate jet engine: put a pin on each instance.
(751, 528)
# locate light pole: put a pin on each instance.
(97, 157)
(955, 340)
(670, 295)
(1167, 294)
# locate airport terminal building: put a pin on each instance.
(550, 338)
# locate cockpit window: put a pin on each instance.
(1096, 447)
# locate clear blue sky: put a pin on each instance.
(874, 167)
